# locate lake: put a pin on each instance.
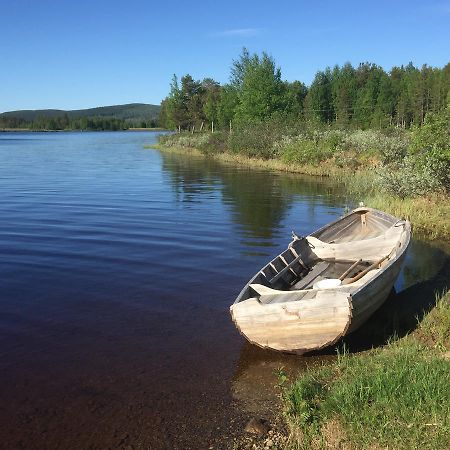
(118, 265)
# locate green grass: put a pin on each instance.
(429, 215)
(396, 397)
(434, 330)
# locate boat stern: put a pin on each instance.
(295, 326)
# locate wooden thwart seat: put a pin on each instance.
(309, 278)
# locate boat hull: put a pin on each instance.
(369, 299)
(296, 326)
(282, 307)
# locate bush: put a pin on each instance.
(298, 150)
(255, 140)
(391, 148)
(185, 139)
(308, 148)
(416, 175)
(216, 143)
(205, 142)
(346, 161)
(426, 168)
(434, 135)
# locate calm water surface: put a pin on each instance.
(117, 268)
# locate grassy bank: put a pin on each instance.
(393, 397)
(430, 214)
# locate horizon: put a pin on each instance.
(80, 109)
(111, 51)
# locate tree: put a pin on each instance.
(227, 106)
(385, 103)
(191, 98)
(318, 101)
(261, 93)
(211, 99)
(239, 68)
(343, 91)
(294, 98)
(368, 81)
(174, 112)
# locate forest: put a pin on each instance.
(386, 133)
(108, 118)
(64, 122)
(362, 97)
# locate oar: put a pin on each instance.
(361, 274)
(350, 269)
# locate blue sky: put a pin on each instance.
(70, 55)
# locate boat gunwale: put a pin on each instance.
(406, 228)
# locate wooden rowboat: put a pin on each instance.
(325, 285)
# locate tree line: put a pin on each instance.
(64, 122)
(352, 97)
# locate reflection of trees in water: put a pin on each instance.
(189, 177)
(258, 200)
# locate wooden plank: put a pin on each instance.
(318, 269)
(294, 326)
(367, 249)
(287, 265)
(365, 271)
(300, 260)
(283, 271)
(273, 267)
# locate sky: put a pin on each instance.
(73, 55)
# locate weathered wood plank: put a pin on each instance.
(283, 271)
(294, 325)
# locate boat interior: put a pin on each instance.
(352, 250)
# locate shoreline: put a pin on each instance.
(411, 354)
(319, 406)
(430, 216)
(30, 130)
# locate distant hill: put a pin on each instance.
(129, 112)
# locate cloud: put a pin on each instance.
(237, 32)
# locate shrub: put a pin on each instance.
(391, 148)
(347, 161)
(216, 143)
(416, 175)
(308, 148)
(206, 142)
(434, 135)
(426, 168)
(300, 151)
(254, 140)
